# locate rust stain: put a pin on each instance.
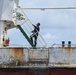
(17, 53)
(69, 48)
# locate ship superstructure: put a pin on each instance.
(7, 20)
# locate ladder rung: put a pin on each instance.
(24, 21)
(28, 23)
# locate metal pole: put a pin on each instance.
(52, 8)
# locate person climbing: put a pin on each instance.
(35, 33)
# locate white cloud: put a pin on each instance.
(49, 36)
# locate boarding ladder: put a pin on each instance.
(25, 26)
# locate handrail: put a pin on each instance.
(31, 28)
(28, 31)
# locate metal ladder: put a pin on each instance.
(23, 19)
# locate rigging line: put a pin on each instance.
(73, 7)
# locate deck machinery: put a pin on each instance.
(18, 60)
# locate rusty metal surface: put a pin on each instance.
(16, 53)
(54, 56)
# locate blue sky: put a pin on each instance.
(56, 25)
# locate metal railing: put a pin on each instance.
(41, 40)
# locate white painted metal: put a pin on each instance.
(38, 55)
(7, 20)
(4, 56)
(52, 8)
(6, 9)
(62, 56)
(1, 32)
(1, 7)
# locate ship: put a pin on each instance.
(59, 59)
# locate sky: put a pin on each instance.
(56, 25)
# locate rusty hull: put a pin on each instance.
(22, 56)
(41, 61)
(38, 71)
